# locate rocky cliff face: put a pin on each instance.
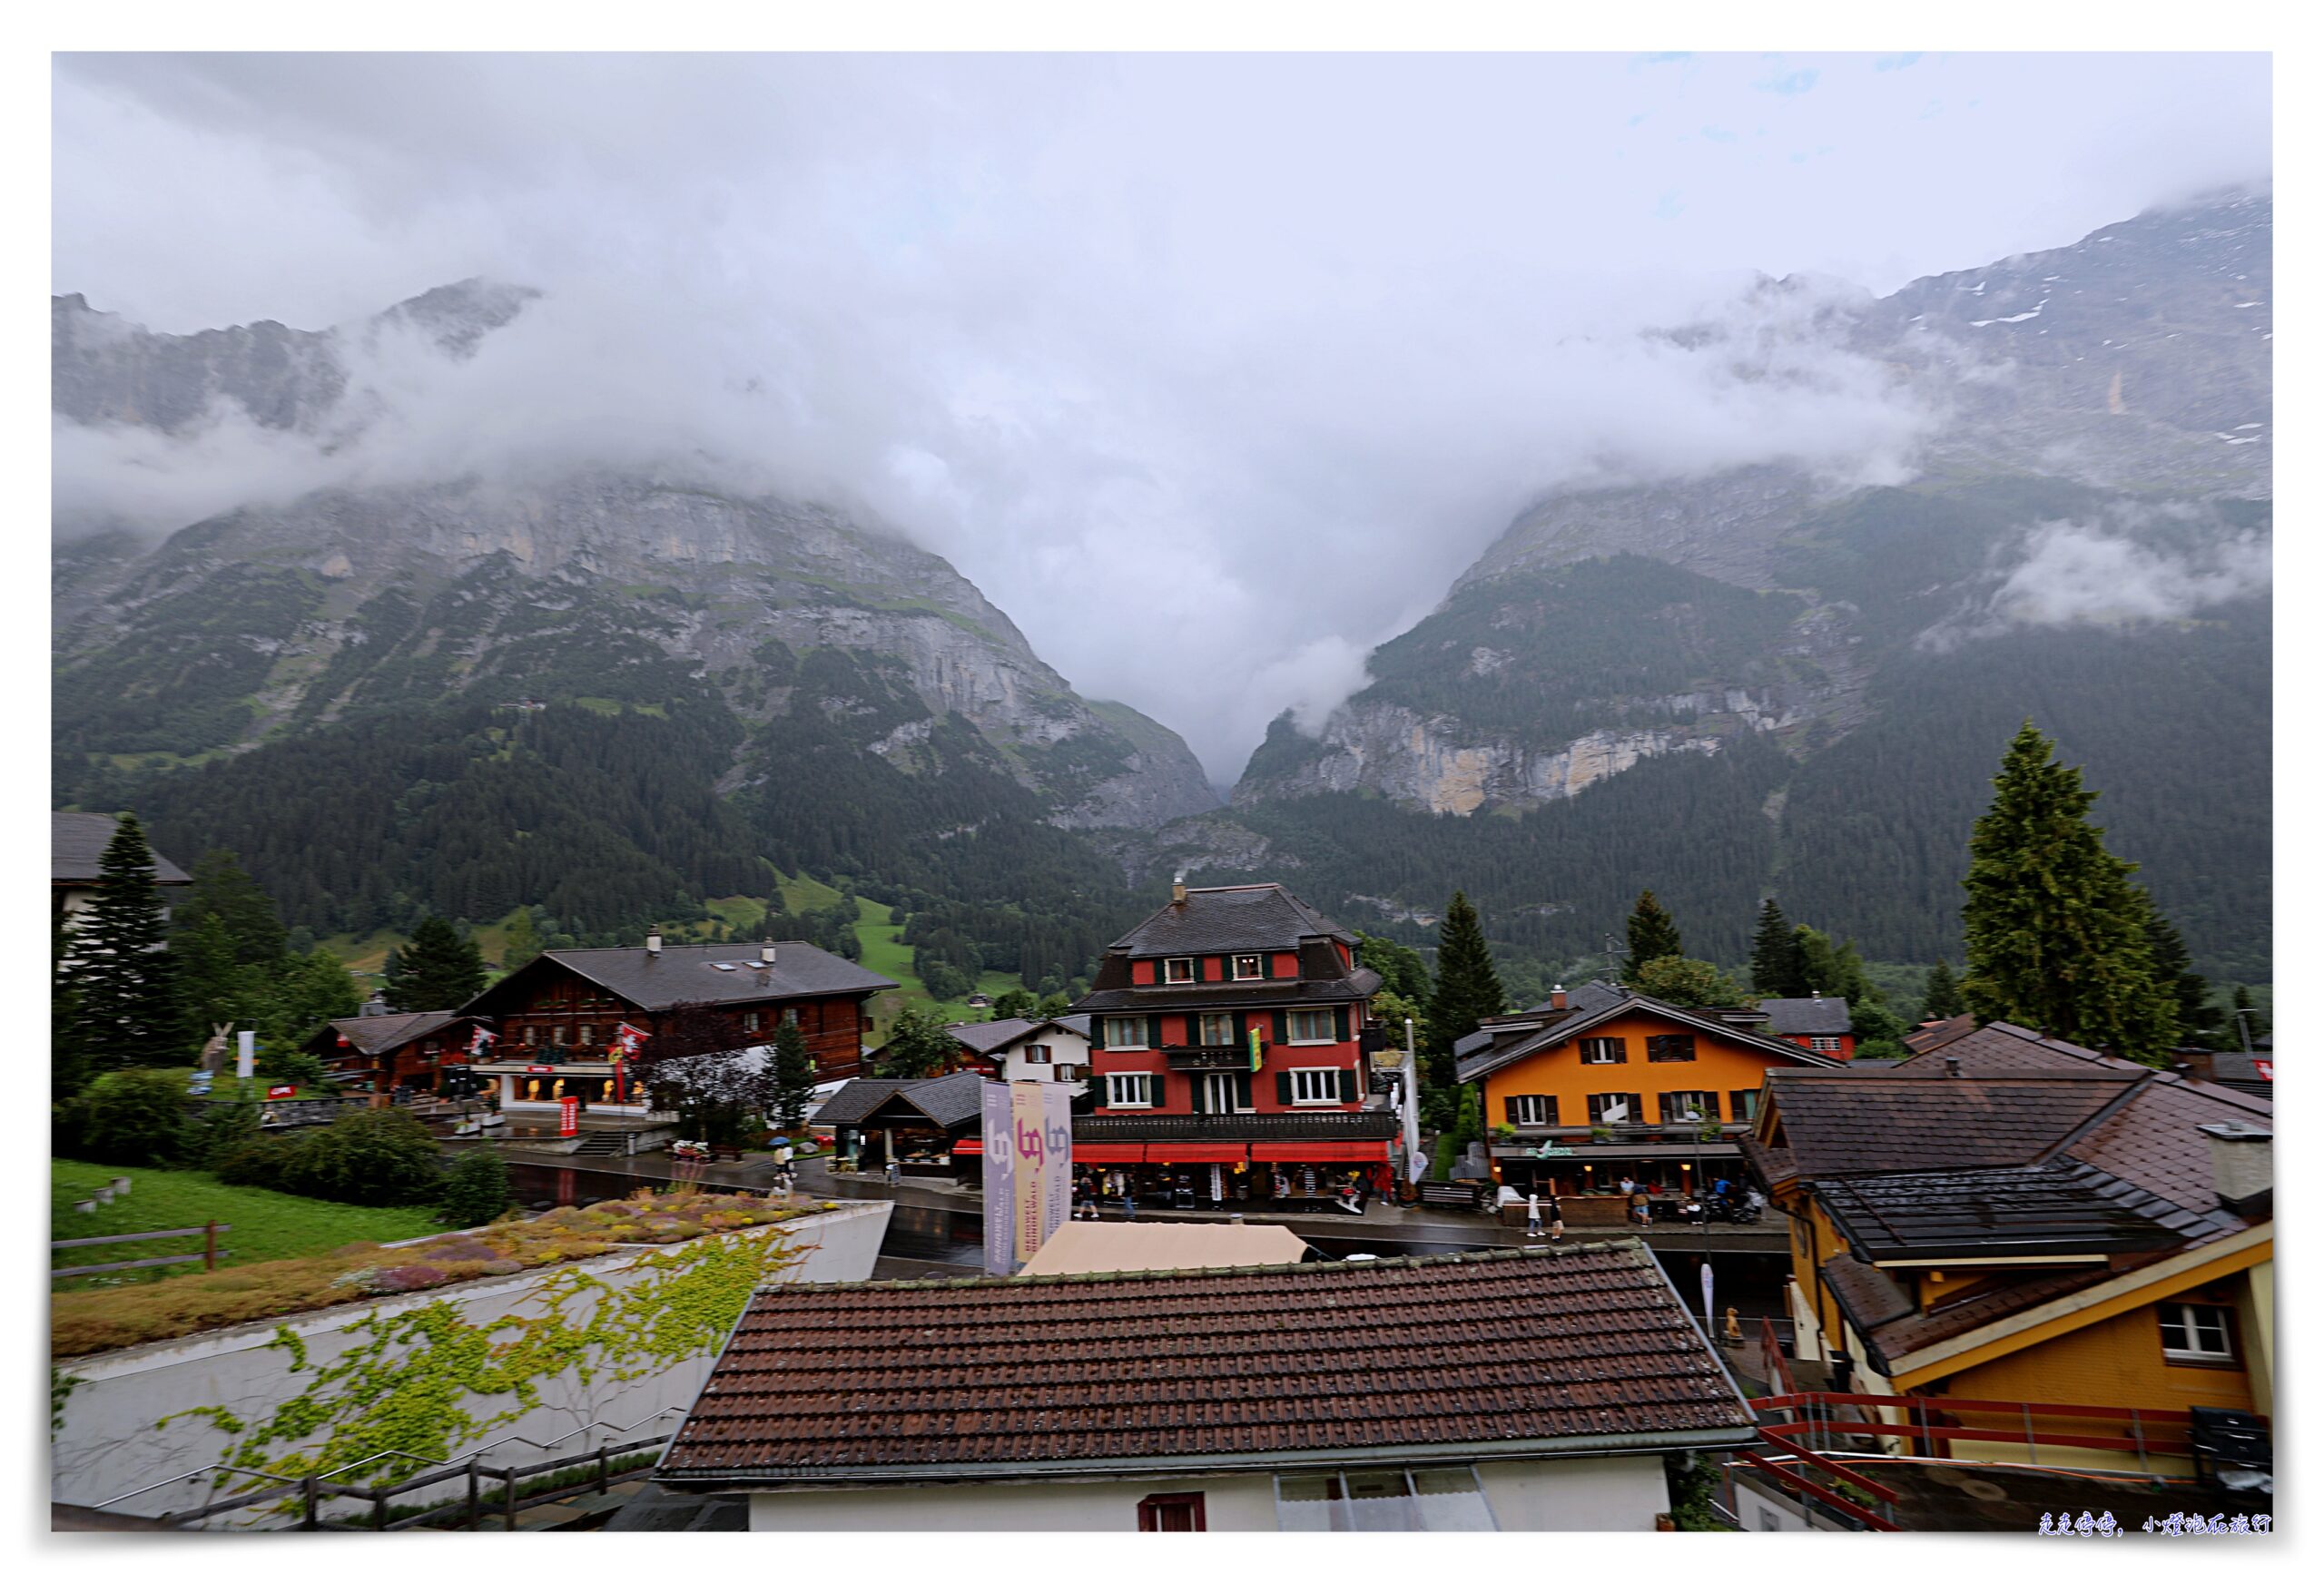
(576, 585)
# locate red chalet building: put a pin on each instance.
(381, 1051)
(558, 1018)
(1229, 1055)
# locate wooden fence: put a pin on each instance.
(208, 1232)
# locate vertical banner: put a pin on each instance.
(1000, 1181)
(1056, 1159)
(245, 1054)
(1031, 1146)
(568, 1116)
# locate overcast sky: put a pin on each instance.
(1256, 353)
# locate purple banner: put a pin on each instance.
(1000, 1181)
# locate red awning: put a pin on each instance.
(1107, 1154)
(967, 1145)
(1198, 1154)
(1356, 1151)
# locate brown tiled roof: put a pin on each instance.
(376, 1036)
(1230, 918)
(1502, 1354)
(1881, 1313)
(1936, 1036)
(1914, 1118)
(1512, 1038)
(2155, 1141)
(711, 975)
(2002, 1048)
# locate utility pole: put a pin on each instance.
(2244, 1027)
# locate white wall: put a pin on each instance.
(1621, 1494)
(1066, 1049)
(109, 1444)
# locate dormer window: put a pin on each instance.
(1250, 966)
(1177, 970)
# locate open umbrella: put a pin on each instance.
(778, 1142)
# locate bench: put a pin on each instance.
(1451, 1195)
(725, 1152)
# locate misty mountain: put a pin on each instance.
(807, 673)
(1765, 680)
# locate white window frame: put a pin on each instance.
(2183, 1315)
(1235, 960)
(1120, 1082)
(1825, 1044)
(1706, 1105)
(1331, 1076)
(1106, 1032)
(1212, 1082)
(1533, 1109)
(1591, 1045)
(1406, 1514)
(1290, 1027)
(1225, 1021)
(1170, 966)
(1066, 1071)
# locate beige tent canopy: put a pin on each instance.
(1081, 1247)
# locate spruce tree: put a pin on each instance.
(794, 1078)
(1468, 988)
(123, 977)
(1653, 935)
(222, 889)
(2191, 995)
(1776, 968)
(522, 943)
(2055, 932)
(68, 1056)
(439, 971)
(1942, 997)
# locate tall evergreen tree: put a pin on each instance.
(1942, 997)
(1776, 968)
(439, 971)
(1468, 988)
(1653, 935)
(2055, 932)
(2191, 995)
(794, 1078)
(523, 943)
(222, 890)
(123, 977)
(68, 1055)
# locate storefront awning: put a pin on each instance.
(1107, 1154)
(1196, 1154)
(1351, 1152)
(967, 1145)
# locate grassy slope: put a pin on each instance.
(265, 1225)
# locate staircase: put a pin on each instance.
(600, 1143)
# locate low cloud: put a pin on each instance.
(2110, 573)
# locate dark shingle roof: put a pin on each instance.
(77, 840)
(2061, 1206)
(689, 975)
(1842, 1124)
(376, 1036)
(1883, 1313)
(1512, 1038)
(1819, 1015)
(984, 1037)
(1508, 1353)
(1231, 917)
(946, 1101)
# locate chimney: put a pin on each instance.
(2243, 1169)
(1557, 997)
(766, 954)
(653, 942)
(1952, 1066)
(1178, 888)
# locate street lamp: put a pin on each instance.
(1694, 1118)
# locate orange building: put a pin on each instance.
(1601, 1084)
(2007, 1218)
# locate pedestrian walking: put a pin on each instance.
(895, 1172)
(1557, 1223)
(1129, 1202)
(1532, 1214)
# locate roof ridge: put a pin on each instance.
(1601, 1247)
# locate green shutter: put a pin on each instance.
(1242, 1091)
(1098, 1086)
(1193, 1092)
(1154, 1033)
(1199, 962)
(1282, 1087)
(1282, 1029)
(1339, 1023)
(1509, 1109)
(1347, 1084)
(1235, 1031)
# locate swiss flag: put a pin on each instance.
(2266, 1069)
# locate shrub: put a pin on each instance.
(258, 1162)
(222, 1130)
(365, 1156)
(476, 1189)
(295, 1065)
(135, 1117)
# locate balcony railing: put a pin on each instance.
(1206, 1057)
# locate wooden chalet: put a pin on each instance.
(558, 1022)
(407, 1049)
